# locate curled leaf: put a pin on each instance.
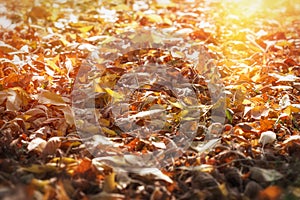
(52, 145)
(37, 144)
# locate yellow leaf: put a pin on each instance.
(38, 169)
(53, 66)
(85, 29)
(40, 184)
(109, 184)
(65, 160)
(108, 131)
(65, 43)
(183, 113)
(176, 104)
(115, 95)
(168, 21)
(104, 122)
(121, 7)
(86, 127)
(246, 102)
(97, 88)
(293, 108)
(284, 43)
(223, 189)
(154, 18)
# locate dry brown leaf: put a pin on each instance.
(68, 114)
(37, 144)
(52, 145)
(50, 98)
(3, 96)
(38, 12)
(16, 99)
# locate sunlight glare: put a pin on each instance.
(246, 8)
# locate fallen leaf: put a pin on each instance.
(50, 98)
(202, 147)
(109, 183)
(39, 169)
(68, 114)
(16, 99)
(265, 175)
(39, 12)
(272, 192)
(286, 78)
(52, 145)
(37, 144)
(83, 166)
(6, 48)
(153, 173)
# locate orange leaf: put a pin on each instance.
(84, 166)
(266, 124)
(272, 192)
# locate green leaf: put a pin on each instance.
(229, 114)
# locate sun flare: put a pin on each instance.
(246, 9)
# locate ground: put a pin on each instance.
(247, 83)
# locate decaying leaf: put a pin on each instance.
(262, 175)
(37, 144)
(52, 145)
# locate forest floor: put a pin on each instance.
(246, 143)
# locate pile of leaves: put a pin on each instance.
(254, 155)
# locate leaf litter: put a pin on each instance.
(254, 156)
